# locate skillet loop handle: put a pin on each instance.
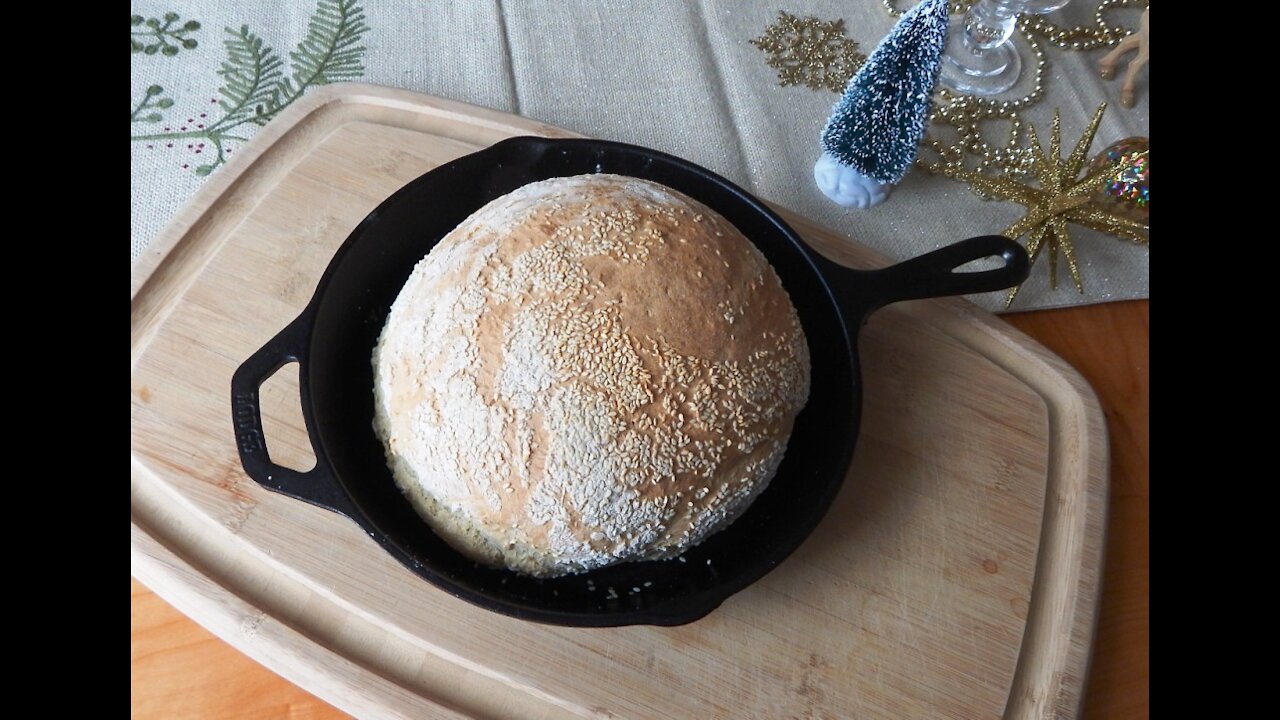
(317, 486)
(933, 274)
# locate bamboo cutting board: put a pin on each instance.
(955, 576)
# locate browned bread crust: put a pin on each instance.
(588, 370)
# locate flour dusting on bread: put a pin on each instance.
(586, 371)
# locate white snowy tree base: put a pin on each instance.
(846, 186)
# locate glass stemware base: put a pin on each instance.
(974, 71)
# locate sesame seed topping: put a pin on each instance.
(528, 402)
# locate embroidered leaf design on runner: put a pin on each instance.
(330, 52)
(160, 35)
(254, 85)
(250, 75)
(153, 100)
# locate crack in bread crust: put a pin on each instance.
(586, 371)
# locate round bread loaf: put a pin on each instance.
(586, 371)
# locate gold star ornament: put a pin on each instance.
(1061, 198)
(810, 52)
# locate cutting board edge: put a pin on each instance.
(162, 246)
(1053, 685)
(274, 644)
(1051, 688)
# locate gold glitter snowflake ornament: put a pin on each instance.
(810, 52)
(1062, 197)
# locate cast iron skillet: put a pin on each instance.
(333, 339)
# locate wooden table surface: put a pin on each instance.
(178, 669)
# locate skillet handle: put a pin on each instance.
(933, 274)
(317, 486)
